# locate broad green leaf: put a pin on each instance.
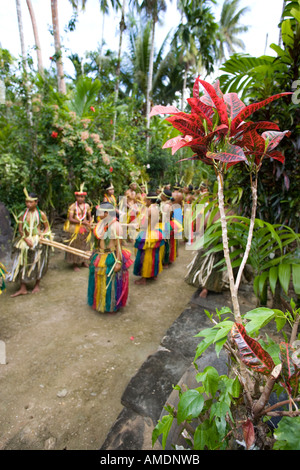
(284, 276)
(287, 434)
(287, 33)
(296, 14)
(273, 276)
(224, 328)
(262, 281)
(190, 405)
(219, 409)
(206, 436)
(258, 318)
(210, 379)
(163, 427)
(296, 277)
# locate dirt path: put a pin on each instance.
(67, 366)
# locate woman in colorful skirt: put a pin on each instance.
(108, 285)
(149, 244)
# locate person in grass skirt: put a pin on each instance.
(30, 259)
(108, 283)
(78, 225)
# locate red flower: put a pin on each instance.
(111, 169)
(54, 134)
(51, 58)
(92, 108)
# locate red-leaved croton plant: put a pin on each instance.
(215, 129)
(217, 132)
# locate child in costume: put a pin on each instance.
(31, 258)
(109, 196)
(108, 284)
(149, 243)
(78, 224)
(171, 227)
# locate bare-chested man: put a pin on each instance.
(30, 261)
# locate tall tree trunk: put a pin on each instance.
(57, 45)
(281, 18)
(149, 84)
(24, 63)
(102, 41)
(36, 38)
(122, 28)
(21, 33)
(186, 68)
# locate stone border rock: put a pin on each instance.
(148, 391)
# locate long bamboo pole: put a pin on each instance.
(68, 248)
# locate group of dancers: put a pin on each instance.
(149, 222)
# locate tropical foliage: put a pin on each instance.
(219, 134)
(257, 78)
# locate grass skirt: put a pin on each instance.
(203, 273)
(150, 254)
(108, 290)
(29, 264)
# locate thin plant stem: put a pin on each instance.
(250, 233)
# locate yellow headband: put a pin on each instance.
(28, 198)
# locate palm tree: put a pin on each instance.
(137, 63)
(36, 38)
(118, 70)
(230, 28)
(57, 45)
(194, 38)
(153, 8)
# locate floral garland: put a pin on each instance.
(83, 214)
(35, 218)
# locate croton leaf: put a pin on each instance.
(217, 101)
(274, 138)
(290, 371)
(163, 110)
(277, 156)
(196, 89)
(187, 124)
(252, 141)
(206, 98)
(231, 154)
(248, 110)
(234, 104)
(202, 109)
(178, 142)
(249, 126)
(250, 351)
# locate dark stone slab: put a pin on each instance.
(180, 336)
(130, 432)
(212, 301)
(147, 391)
(6, 235)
